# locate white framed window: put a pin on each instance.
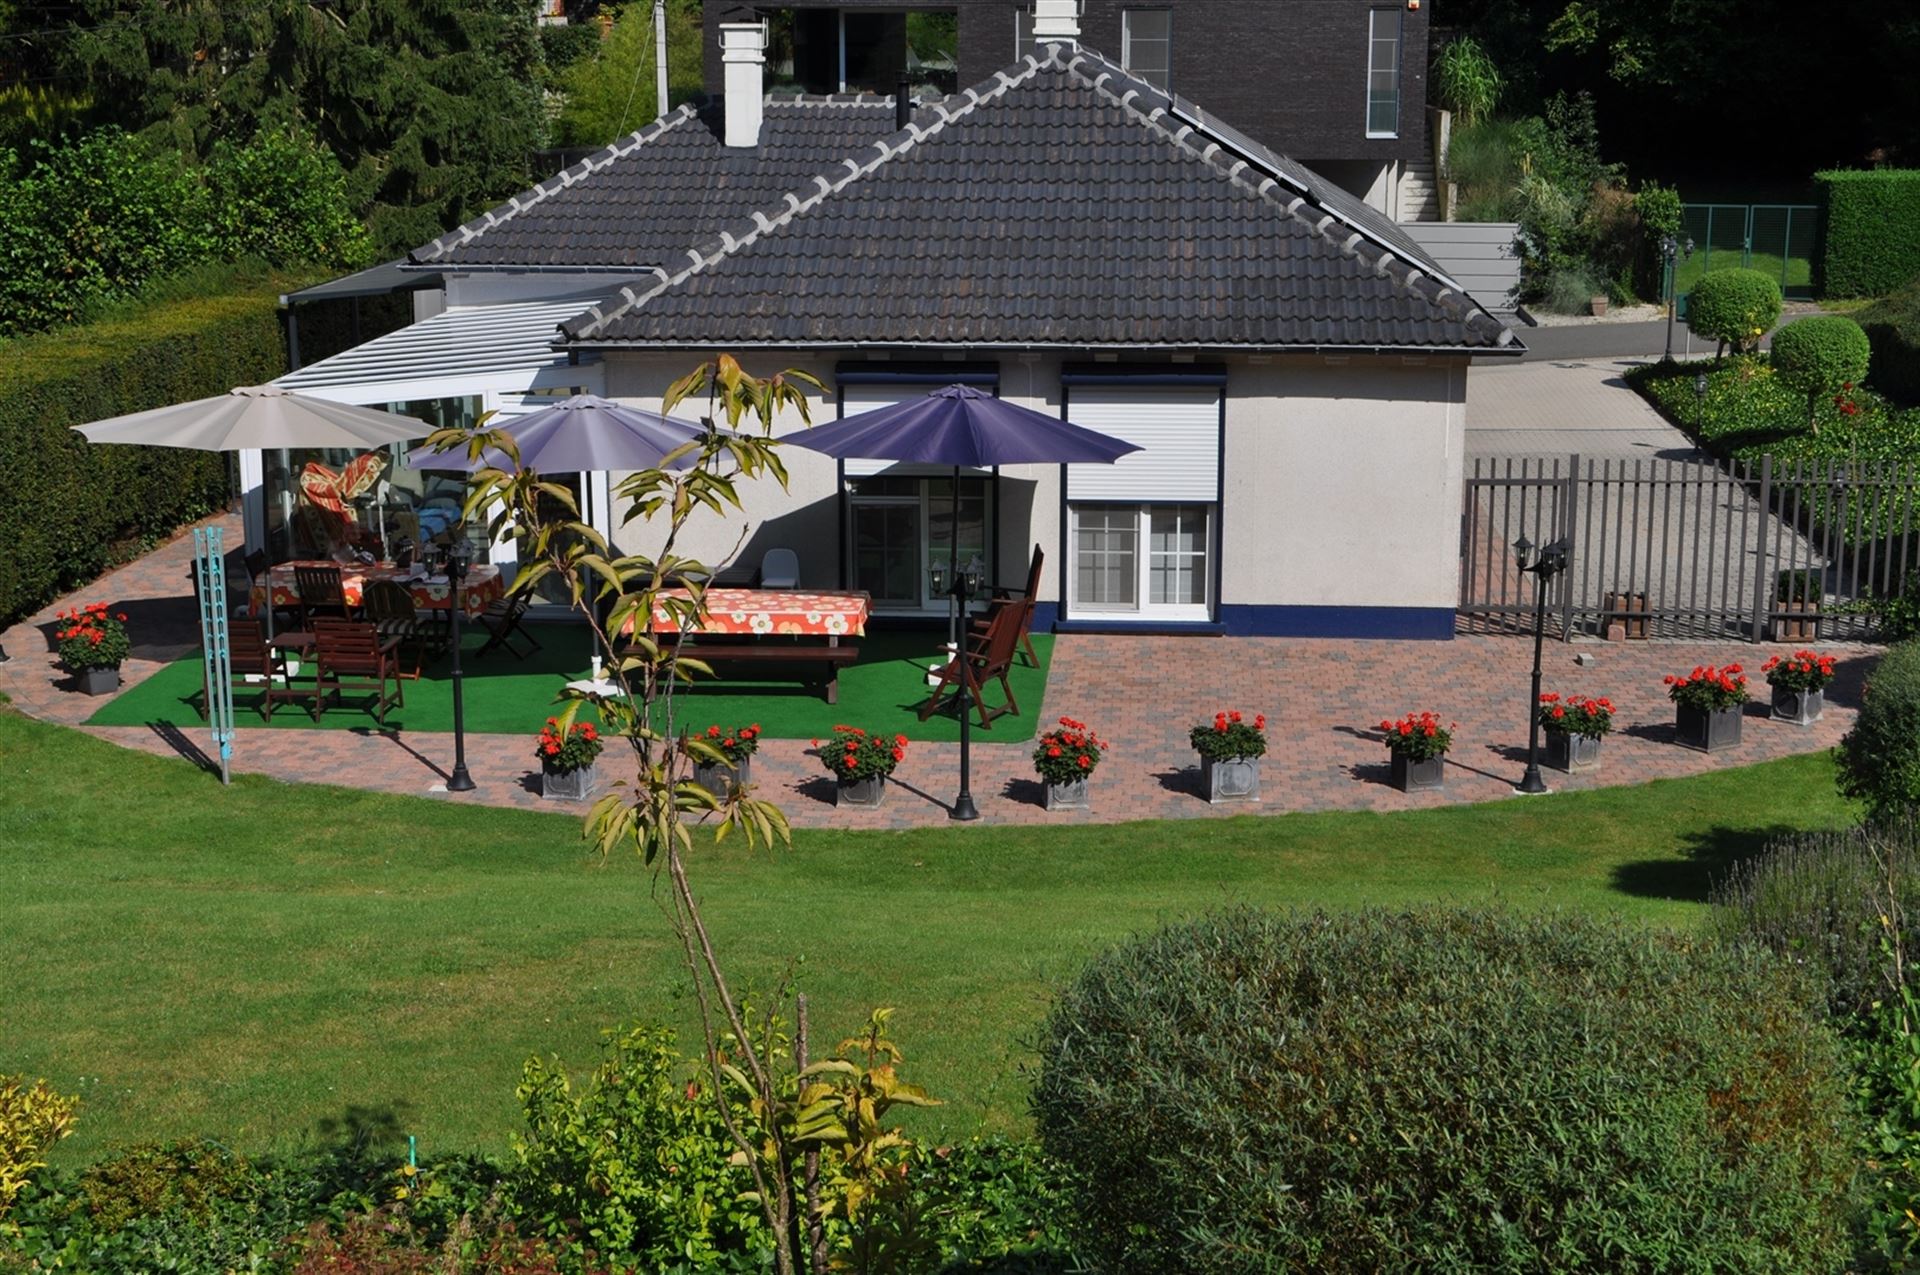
(1150, 562)
(1383, 72)
(1022, 33)
(1146, 44)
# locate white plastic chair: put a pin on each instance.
(780, 569)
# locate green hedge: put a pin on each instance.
(68, 509)
(1872, 230)
(1892, 325)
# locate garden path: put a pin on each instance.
(1323, 700)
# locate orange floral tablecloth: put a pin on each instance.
(765, 611)
(481, 589)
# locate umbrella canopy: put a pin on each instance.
(263, 416)
(578, 435)
(959, 425)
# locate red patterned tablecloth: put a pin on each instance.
(765, 611)
(482, 587)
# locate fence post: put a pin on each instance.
(1761, 574)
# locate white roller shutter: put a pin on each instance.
(1177, 430)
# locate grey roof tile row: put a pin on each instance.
(1064, 203)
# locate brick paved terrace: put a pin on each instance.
(1323, 701)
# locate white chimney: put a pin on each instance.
(743, 51)
(1056, 22)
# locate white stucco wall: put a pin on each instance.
(1343, 482)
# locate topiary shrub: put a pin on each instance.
(1879, 759)
(1820, 356)
(1735, 307)
(1446, 1090)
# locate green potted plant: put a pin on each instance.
(1417, 747)
(723, 757)
(1230, 749)
(1796, 606)
(861, 761)
(1707, 706)
(93, 646)
(567, 754)
(1799, 683)
(1575, 725)
(1065, 758)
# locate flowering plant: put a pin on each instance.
(735, 743)
(570, 748)
(1709, 689)
(1418, 736)
(1576, 714)
(1801, 671)
(853, 754)
(91, 638)
(1228, 737)
(1068, 753)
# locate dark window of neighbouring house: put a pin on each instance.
(1146, 44)
(1383, 73)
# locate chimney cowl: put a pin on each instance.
(743, 57)
(902, 103)
(1056, 22)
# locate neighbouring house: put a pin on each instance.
(1339, 84)
(1064, 233)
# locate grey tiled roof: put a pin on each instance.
(1061, 203)
(643, 199)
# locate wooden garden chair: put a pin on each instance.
(1024, 598)
(322, 594)
(388, 606)
(350, 655)
(988, 657)
(251, 657)
(502, 620)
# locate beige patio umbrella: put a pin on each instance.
(250, 416)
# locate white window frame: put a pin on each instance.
(927, 505)
(1127, 60)
(1143, 607)
(1375, 41)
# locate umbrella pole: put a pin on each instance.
(963, 807)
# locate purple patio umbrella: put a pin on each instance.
(965, 428)
(578, 435)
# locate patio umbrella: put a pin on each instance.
(255, 416)
(578, 435)
(965, 428)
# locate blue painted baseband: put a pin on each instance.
(1431, 624)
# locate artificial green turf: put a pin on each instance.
(246, 963)
(504, 695)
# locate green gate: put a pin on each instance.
(1776, 238)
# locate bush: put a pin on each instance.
(67, 508)
(1446, 1090)
(1749, 412)
(32, 1118)
(147, 1179)
(1879, 759)
(1465, 80)
(1820, 356)
(1870, 230)
(1892, 325)
(1735, 306)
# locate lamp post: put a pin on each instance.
(1699, 401)
(1674, 250)
(966, 582)
(459, 555)
(1549, 562)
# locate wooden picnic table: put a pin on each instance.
(800, 627)
(482, 587)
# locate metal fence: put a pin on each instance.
(1781, 551)
(1776, 238)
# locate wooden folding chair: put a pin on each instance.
(987, 657)
(1025, 597)
(350, 655)
(251, 657)
(388, 606)
(322, 593)
(502, 620)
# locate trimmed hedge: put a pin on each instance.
(1892, 325)
(1447, 1090)
(1871, 235)
(68, 508)
(1735, 306)
(1879, 759)
(1820, 356)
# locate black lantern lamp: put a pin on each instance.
(459, 557)
(1673, 250)
(1544, 565)
(966, 583)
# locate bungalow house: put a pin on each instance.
(1292, 366)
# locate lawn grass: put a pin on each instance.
(248, 963)
(504, 695)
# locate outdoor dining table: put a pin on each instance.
(776, 626)
(482, 587)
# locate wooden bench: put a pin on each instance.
(832, 658)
